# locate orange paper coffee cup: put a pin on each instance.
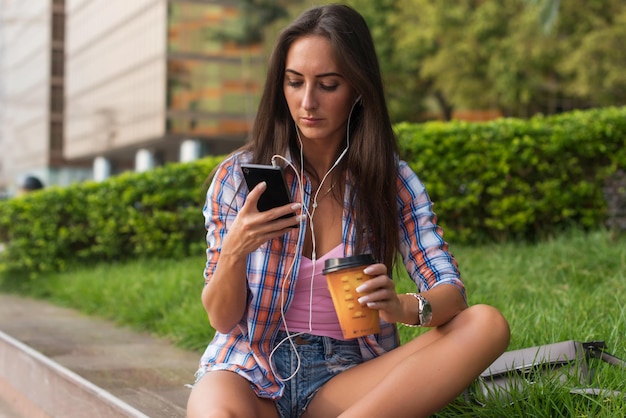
(343, 276)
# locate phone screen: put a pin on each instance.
(276, 194)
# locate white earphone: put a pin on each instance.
(313, 254)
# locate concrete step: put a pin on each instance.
(58, 362)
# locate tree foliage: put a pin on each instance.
(255, 16)
(521, 57)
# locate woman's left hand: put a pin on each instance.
(380, 293)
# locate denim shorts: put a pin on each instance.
(321, 358)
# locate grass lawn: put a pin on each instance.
(571, 287)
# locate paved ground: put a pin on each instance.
(6, 411)
(147, 373)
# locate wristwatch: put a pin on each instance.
(425, 311)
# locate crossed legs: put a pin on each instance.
(414, 380)
(420, 377)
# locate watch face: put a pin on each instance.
(426, 312)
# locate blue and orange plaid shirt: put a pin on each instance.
(246, 348)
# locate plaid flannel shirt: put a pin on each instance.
(246, 348)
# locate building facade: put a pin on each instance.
(32, 37)
(122, 86)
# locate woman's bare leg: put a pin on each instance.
(224, 394)
(420, 377)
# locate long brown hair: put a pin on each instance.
(371, 157)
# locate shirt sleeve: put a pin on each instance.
(225, 197)
(424, 251)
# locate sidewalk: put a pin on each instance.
(133, 373)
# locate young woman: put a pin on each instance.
(278, 350)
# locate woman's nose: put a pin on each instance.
(308, 100)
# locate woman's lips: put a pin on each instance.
(310, 121)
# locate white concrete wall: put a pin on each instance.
(115, 72)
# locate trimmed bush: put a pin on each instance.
(517, 179)
(507, 179)
(151, 214)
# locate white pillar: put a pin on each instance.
(101, 168)
(144, 160)
(189, 150)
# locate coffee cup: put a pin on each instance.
(343, 276)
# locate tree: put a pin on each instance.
(255, 16)
(519, 56)
(549, 11)
(594, 64)
(404, 93)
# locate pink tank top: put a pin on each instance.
(314, 303)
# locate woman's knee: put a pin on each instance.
(489, 323)
(201, 406)
(223, 394)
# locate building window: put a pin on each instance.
(56, 136)
(58, 27)
(56, 100)
(58, 63)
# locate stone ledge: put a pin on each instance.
(35, 386)
(147, 373)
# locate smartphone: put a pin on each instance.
(276, 194)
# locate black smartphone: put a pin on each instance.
(276, 194)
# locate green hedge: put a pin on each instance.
(499, 180)
(518, 179)
(151, 214)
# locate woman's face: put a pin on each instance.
(318, 96)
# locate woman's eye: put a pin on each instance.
(298, 84)
(292, 83)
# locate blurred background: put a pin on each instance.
(93, 88)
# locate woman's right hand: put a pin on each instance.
(225, 297)
(252, 228)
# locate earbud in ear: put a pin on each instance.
(358, 99)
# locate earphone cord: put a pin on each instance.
(309, 214)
